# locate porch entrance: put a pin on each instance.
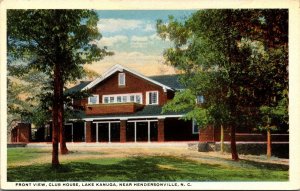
(107, 131)
(74, 132)
(141, 131)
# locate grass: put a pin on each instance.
(16, 155)
(137, 168)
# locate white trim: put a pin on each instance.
(148, 97)
(120, 68)
(135, 132)
(149, 137)
(120, 75)
(109, 128)
(97, 131)
(127, 95)
(109, 132)
(193, 129)
(133, 117)
(93, 95)
(150, 120)
(106, 122)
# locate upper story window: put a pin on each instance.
(195, 127)
(152, 98)
(122, 79)
(94, 99)
(123, 98)
(106, 100)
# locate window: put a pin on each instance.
(94, 99)
(123, 98)
(132, 98)
(121, 79)
(111, 99)
(152, 98)
(200, 99)
(119, 99)
(195, 127)
(138, 99)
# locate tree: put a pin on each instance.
(215, 49)
(269, 45)
(57, 43)
(24, 90)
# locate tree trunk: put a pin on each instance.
(234, 153)
(269, 143)
(55, 117)
(63, 146)
(222, 139)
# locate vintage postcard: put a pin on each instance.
(149, 95)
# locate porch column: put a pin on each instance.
(135, 131)
(161, 130)
(149, 136)
(123, 131)
(97, 132)
(88, 131)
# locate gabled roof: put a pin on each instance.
(165, 81)
(120, 68)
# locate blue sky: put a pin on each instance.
(131, 35)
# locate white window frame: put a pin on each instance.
(148, 97)
(122, 100)
(200, 99)
(93, 95)
(121, 77)
(193, 127)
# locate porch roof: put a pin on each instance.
(149, 111)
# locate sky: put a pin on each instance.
(131, 35)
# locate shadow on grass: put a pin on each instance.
(141, 169)
(248, 163)
(265, 165)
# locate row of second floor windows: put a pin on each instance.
(151, 98)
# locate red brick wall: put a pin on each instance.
(207, 134)
(123, 131)
(88, 136)
(112, 108)
(21, 133)
(14, 135)
(161, 130)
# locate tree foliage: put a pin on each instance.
(236, 59)
(57, 43)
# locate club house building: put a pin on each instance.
(126, 106)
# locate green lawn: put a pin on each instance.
(138, 168)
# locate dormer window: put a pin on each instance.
(121, 79)
(94, 99)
